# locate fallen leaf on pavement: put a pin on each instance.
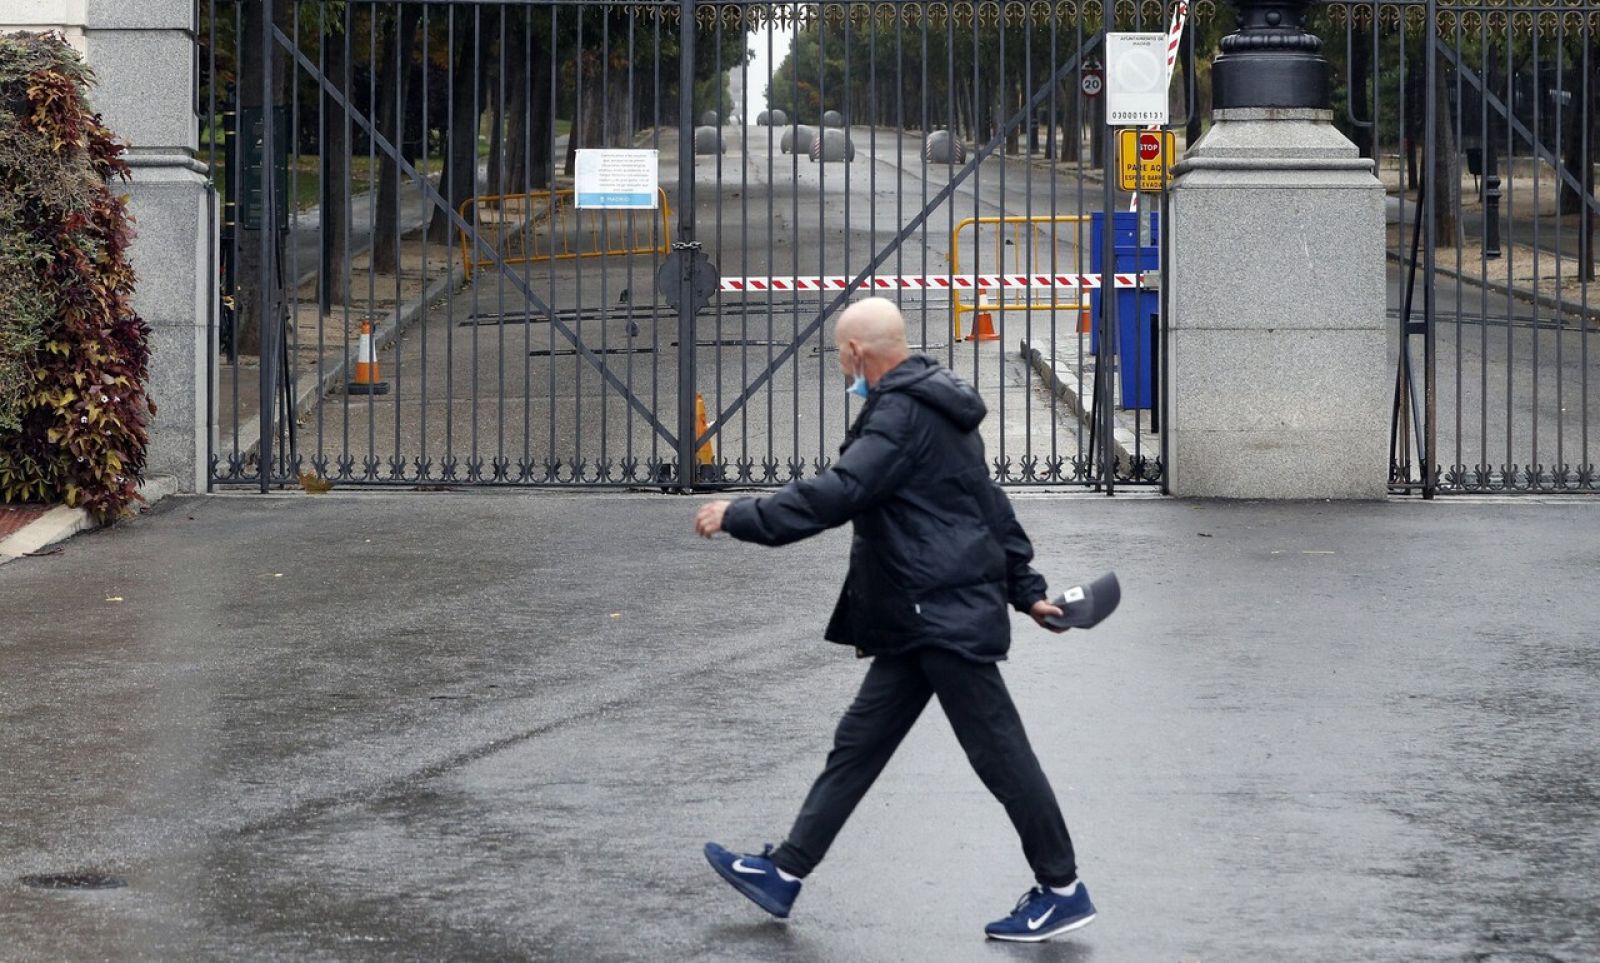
(313, 484)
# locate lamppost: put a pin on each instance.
(1491, 173)
(1270, 61)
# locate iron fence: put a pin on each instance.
(399, 175)
(1483, 119)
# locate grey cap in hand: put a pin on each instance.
(1085, 606)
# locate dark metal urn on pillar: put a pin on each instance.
(1270, 61)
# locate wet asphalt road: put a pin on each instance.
(501, 726)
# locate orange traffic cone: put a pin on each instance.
(707, 455)
(983, 328)
(366, 380)
(1085, 322)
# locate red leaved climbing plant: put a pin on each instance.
(73, 408)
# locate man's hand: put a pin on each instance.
(1042, 610)
(708, 521)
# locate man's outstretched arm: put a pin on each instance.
(873, 466)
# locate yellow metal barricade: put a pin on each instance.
(1025, 258)
(541, 226)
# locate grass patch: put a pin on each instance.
(305, 176)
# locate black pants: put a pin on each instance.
(980, 710)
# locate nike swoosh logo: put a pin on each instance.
(1035, 924)
(740, 867)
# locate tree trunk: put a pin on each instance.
(1071, 123)
(335, 138)
(1581, 166)
(528, 121)
(497, 131)
(592, 114)
(1097, 133)
(396, 84)
(588, 128)
(541, 135)
(1414, 132)
(513, 162)
(1445, 172)
(1572, 153)
(1360, 95)
(1010, 101)
(459, 178)
(618, 108)
(1191, 93)
(997, 114)
(1052, 123)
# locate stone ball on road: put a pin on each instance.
(710, 119)
(833, 119)
(942, 148)
(833, 145)
(798, 139)
(709, 140)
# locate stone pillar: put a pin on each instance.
(143, 55)
(66, 17)
(1279, 369)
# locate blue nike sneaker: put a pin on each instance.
(757, 877)
(1041, 914)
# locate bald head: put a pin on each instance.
(871, 336)
(875, 322)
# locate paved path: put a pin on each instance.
(500, 726)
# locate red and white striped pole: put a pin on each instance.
(1180, 18)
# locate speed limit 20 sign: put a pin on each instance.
(1093, 79)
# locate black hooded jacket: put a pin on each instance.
(937, 553)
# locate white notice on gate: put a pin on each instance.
(616, 179)
(1136, 80)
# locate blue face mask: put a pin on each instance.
(859, 387)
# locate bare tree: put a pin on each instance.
(459, 178)
(529, 123)
(334, 141)
(1445, 175)
(397, 88)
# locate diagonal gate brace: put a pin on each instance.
(425, 185)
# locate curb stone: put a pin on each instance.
(1072, 390)
(61, 523)
(1576, 310)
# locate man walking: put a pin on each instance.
(937, 556)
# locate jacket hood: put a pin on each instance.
(926, 380)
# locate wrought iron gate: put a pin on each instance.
(1484, 118)
(413, 295)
